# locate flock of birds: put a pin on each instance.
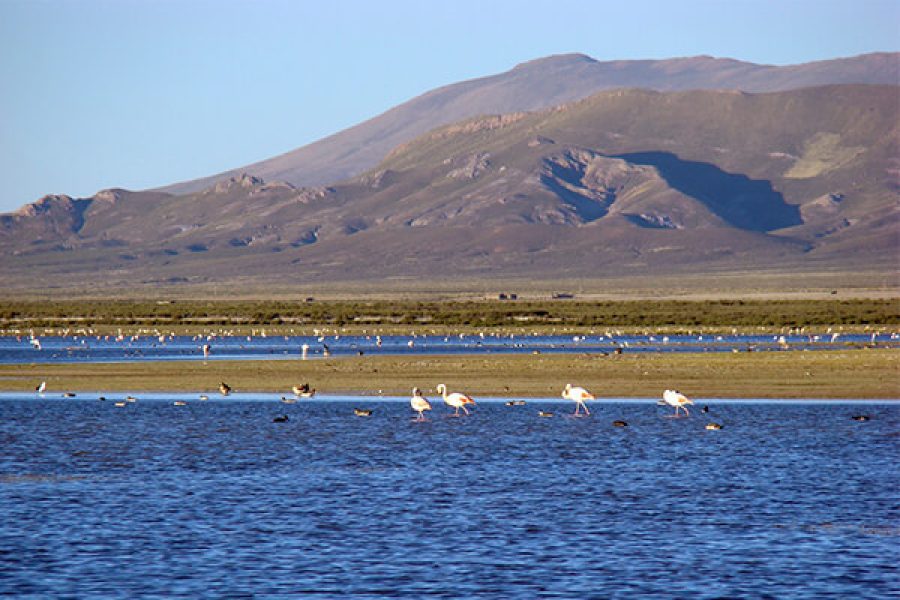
(459, 401)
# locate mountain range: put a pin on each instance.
(561, 168)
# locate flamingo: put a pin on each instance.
(579, 395)
(419, 404)
(676, 399)
(455, 399)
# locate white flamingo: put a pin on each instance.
(419, 404)
(678, 400)
(455, 399)
(579, 395)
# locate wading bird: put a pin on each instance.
(224, 389)
(579, 395)
(455, 399)
(40, 388)
(419, 404)
(676, 399)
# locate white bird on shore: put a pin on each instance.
(579, 395)
(419, 404)
(40, 388)
(455, 399)
(676, 399)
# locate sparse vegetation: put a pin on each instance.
(518, 314)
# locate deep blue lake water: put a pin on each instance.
(214, 499)
(55, 349)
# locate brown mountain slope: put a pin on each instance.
(624, 182)
(536, 85)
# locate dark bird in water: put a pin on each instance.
(68, 395)
(861, 417)
(544, 413)
(515, 403)
(713, 426)
(224, 388)
(280, 419)
(362, 412)
(619, 423)
(102, 398)
(705, 409)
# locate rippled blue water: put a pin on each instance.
(53, 349)
(214, 499)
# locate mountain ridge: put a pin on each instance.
(533, 85)
(625, 181)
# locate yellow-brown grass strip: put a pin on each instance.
(851, 373)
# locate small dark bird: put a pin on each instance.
(515, 403)
(861, 417)
(102, 398)
(224, 388)
(68, 395)
(619, 423)
(705, 409)
(544, 413)
(713, 426)
(280, 419)
(362, 412)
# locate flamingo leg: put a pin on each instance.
(577, 407)
(686, 413)
(586, 411)
(465, 410)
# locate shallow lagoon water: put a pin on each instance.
(76, 349)
(213, 499)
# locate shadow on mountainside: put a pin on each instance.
(742, 202)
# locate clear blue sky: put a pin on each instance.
(141, 93)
